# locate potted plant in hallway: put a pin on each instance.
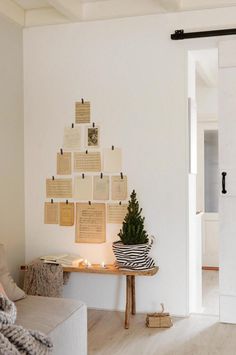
(132, 250)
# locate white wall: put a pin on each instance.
(207, 100)
(12, 144)
(136, 79)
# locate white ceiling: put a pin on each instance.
(38, 4)
(32, 4)
(91, 0)
(44, 12)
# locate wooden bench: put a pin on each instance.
(113, 270)
(130, 282)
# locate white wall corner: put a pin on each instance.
(14, 12)
(72, 9)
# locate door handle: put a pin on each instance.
(224, 191)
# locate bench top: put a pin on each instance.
(111, 269)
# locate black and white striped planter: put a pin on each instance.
(134, 257)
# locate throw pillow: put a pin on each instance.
(12, 291)
(2, 292)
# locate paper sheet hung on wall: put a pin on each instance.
(82, 112)
(92, 137)
(116, 213)
(59, 188)
(72, 138)
(87, 162)
(119, 188)
(101, 185)
(83, 188)
(66, 214)
(112, 160)
(64, 163)
(90, 223)
(51, 213)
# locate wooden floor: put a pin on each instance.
(197, 335)
(210, 292)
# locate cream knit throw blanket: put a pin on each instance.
(14, 339)
(43, 279)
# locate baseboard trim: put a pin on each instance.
(211, 268)
(174, 315)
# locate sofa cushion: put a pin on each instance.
(45, 313)
(63, 320)
(13, 292)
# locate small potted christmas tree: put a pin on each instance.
(133, 248)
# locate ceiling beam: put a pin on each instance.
(12, 11)
(44, 16)
(97, 10)
(171, 5)
(72, 9)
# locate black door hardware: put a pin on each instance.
(224, 191)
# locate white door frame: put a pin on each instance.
(194, 221)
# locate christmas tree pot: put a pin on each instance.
(134, 246)
(134, 257)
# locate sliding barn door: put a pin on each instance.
(227, 158)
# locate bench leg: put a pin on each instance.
(133, 294)
(128, 300)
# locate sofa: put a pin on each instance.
(64, 320)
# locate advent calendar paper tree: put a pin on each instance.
(88, 176)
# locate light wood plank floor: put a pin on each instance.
(210, 292)
(197, 335)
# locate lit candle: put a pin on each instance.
(86, 262)
(103, 264)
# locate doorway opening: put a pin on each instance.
(203, 182)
